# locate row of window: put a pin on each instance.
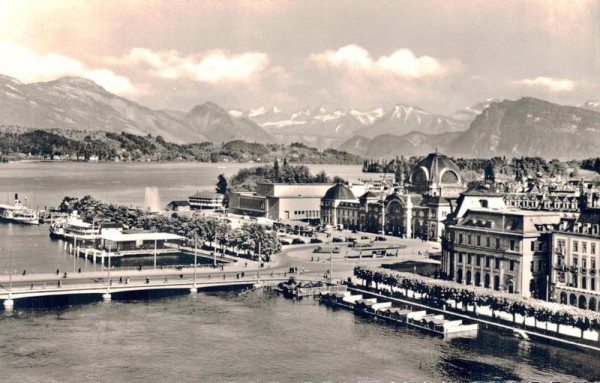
(478, 259)
(477, 240)
(308, 213)
(584, 247)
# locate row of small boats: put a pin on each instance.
(416, 318)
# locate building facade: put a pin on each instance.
(501, 249)
(575, 261)
(281, 201)
(206, 200)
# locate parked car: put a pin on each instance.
(284, 242)
(364, 237)
(298, 241)
(337, 239)
(315, 240)
(380, 238)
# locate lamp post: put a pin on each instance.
(9, 303)
(195, 258)
(258, 264)
(155, 254)
(74, 250)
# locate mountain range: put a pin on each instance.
(80, 104)
(523, 127)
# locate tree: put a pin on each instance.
(490, 174)
(276, 170)
(222, 184)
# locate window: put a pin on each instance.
(497, 261)
(479, 260)
(478, 240)
(575, 261)
(487, 261)
(593, 248)
(469, 259)
(540, 246)
(459, 257)
(584, 263)
(468, 239)
(593, 263)
(532, 246)
(512, 265)
(460, 238)
(487, 241)
(497, 243)
(584, 247)
(575, 246)
(512, 244)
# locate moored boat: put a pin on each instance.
(18, 213)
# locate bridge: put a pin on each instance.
(106, 284)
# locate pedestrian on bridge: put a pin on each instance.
(57, 271)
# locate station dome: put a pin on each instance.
(339, 192)
(436, 174)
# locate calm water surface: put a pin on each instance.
(46, 183)
(222, 337)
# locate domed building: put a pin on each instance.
(339, 206)
(419, 211)
(436, 175)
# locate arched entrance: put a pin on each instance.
(478, 279)
(459, 276)
(584, 283)
(469, 277)
(486, 280)
(573, 300)
(582, 302)
(563, 298)
(510, 286)
(496, 282)
(592, 304)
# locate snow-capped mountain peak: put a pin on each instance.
(257, 112)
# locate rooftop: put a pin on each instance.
(117, 236)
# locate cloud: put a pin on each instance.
(28, 66)
(212, 67)
(402, 63)
(551, 84)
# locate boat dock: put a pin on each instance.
(436, 324)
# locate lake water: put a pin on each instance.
(222, 337)
(46, 183)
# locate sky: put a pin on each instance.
(438, 55)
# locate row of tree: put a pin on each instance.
(438, 292)
(247, 178)
(250, 238)
(515, 167)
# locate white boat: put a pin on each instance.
(74, 228)
(18, 213)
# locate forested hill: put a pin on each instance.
(18, 143)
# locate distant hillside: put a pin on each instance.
(530, 127)
(390, 146)
(28, 143)
(79, 104)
